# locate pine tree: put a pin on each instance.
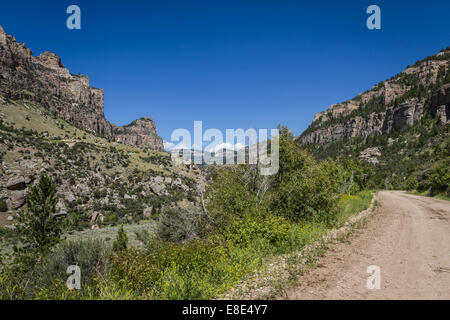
(121, 241)
(38, 226)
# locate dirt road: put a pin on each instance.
(408, 237)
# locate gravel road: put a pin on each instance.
(408, 238)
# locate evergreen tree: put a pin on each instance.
(3, 206)
(38, 226)
(121, 241)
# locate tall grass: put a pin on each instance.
(352, 204)
(198, 269)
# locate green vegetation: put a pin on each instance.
(121, 242)
(244, 222)
(248, 219)
(3, 206)
(39, 227)
(92, 174)
(412, 82)
(413, 158)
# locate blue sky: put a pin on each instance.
(231, 64)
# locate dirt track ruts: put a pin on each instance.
(408, 237)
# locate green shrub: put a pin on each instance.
(92, 256)
(411, 183)
(440, 179)
(191, 268)
(301, 190)
(121, 242)
(179, 225)
(38, 226)
(232, 191)
(308, 195)
(3, 206)
(275, 230)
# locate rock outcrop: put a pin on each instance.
(45, 80)
(370, 155)
(141, 132)
(390, 105)
(440, 104)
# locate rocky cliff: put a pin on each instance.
(390, 105)
(45, 80)
(141, 132)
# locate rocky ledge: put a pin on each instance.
(390, 105)
(45, 80)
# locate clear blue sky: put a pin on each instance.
(232, 64)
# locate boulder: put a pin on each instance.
(61, 209)
(158, 188)
(28, 164)
(180, 185)
(83, 190)
(18, 198)
(16, 183)
(158, 179)
(168, 180)
(94, 216)
(147, 212)
(69, 196)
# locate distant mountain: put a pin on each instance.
(45, 81)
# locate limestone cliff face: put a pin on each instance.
(141, 132)
(390, 105)
(440, 104)
(46, 81)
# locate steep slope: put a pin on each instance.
(400, 126)
(99, 181)
(390, 105)
(45, 81)
(53, 121)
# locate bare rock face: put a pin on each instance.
(440, 104)
(16, 183)
(370, 155)
(141, 132)
(158, 188)
(18, 198)
(392, 104)
(46, 81)
(407, 113)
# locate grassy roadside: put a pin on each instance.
(281, 271)
(274, 252)
(441, 196)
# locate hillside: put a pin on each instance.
(100, 181)
(400, 126)
(52, 121)
(45, 81)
